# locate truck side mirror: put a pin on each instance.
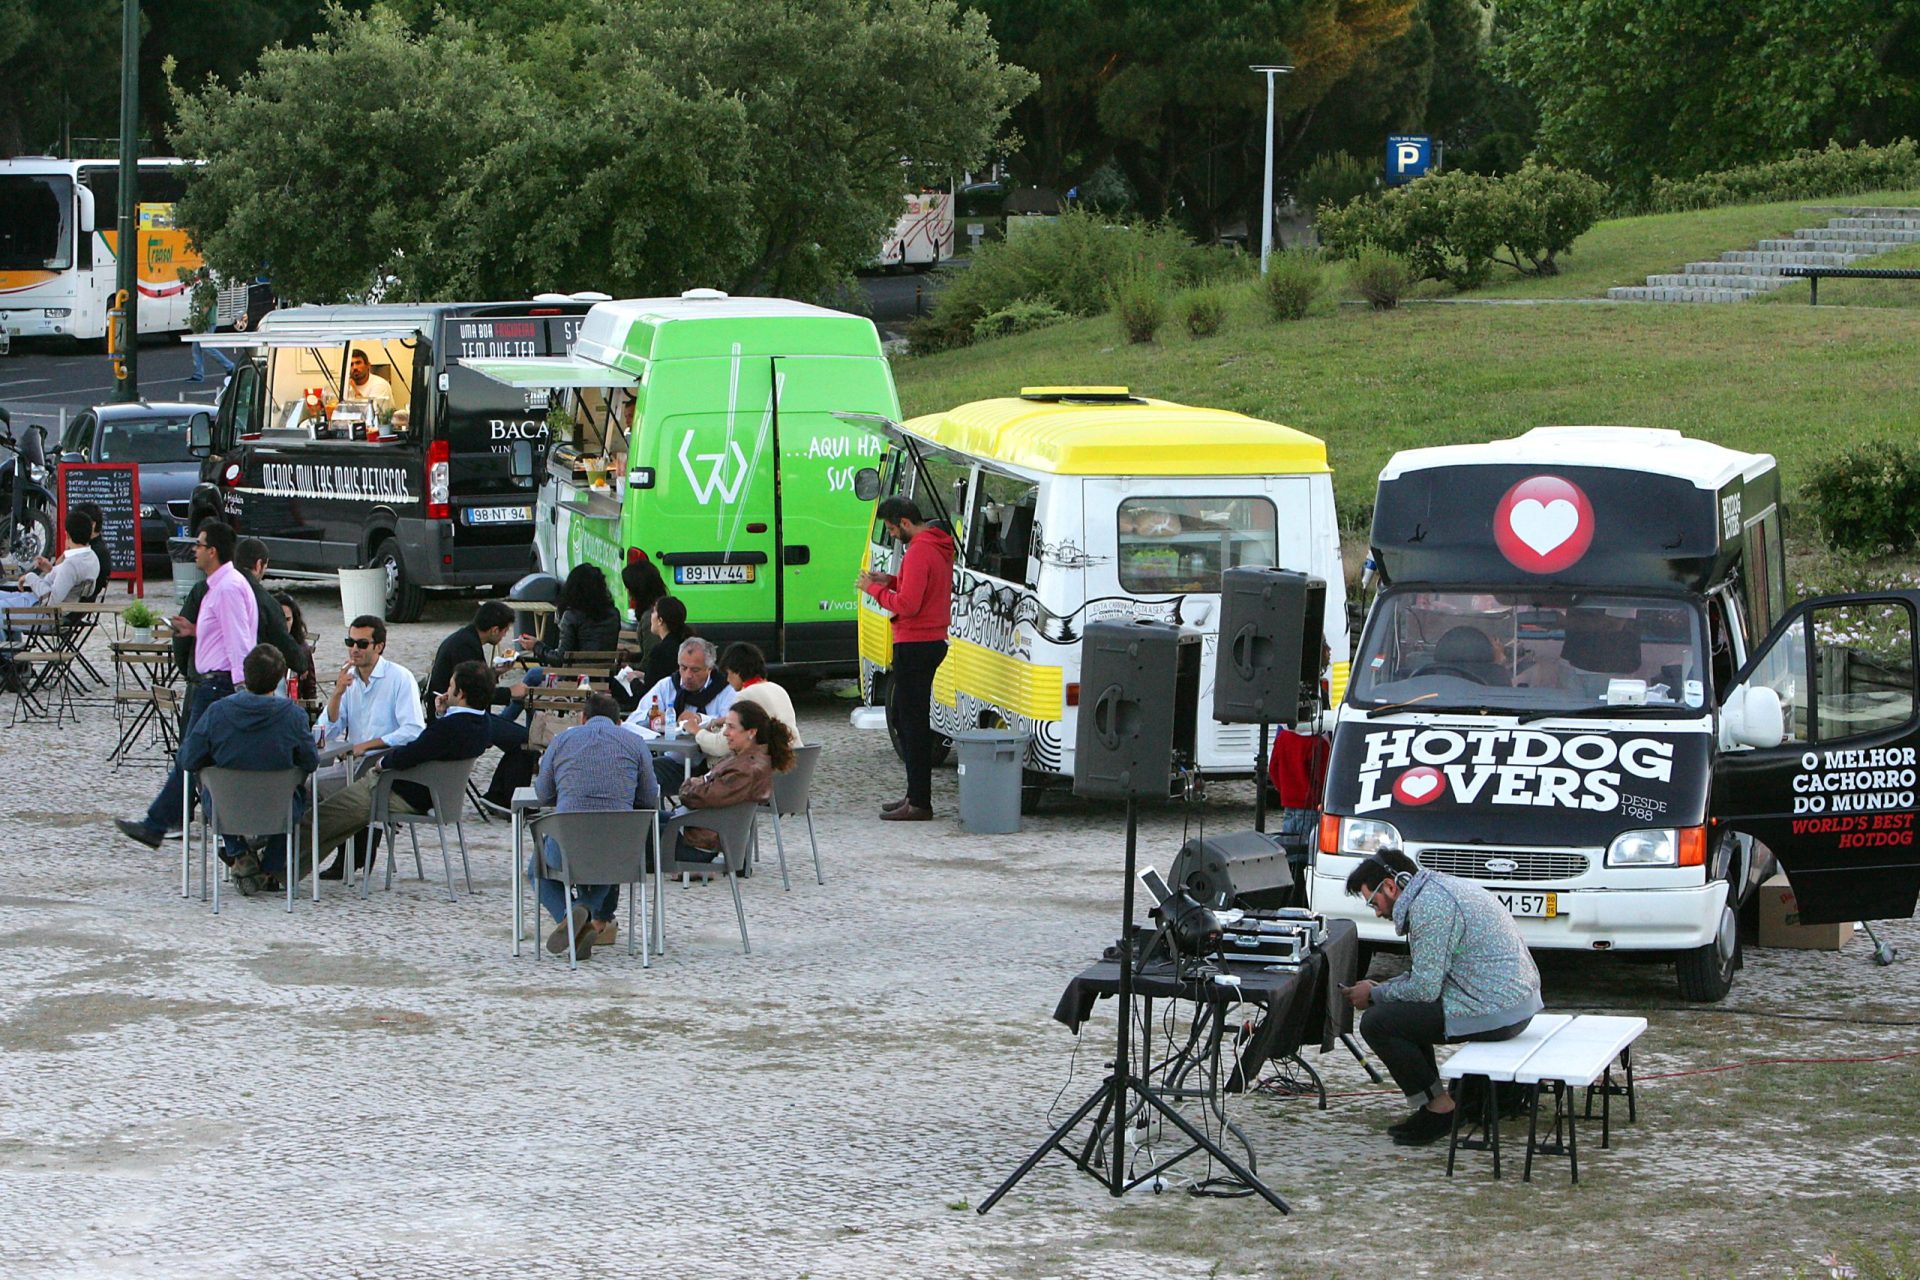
(83, 208)
(199, 435)
(866, 484)
(520, 462)
(1753, 717)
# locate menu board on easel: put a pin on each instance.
(114, 487)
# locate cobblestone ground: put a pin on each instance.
(380, 1089)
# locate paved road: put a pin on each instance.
(43, 380)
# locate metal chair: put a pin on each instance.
(734, 825)
(248, 804)
(446, 783)
(793, 796)
(614, 847)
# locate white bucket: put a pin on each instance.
(186, 576)
(363, 592)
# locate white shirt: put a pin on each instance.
(71, 578)
(376, 390)
(385, 706)
(768, 695)
(662, 696)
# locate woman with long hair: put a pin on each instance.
(588, 620)
(758, 746)
(297, 628)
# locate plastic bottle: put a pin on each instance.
(293, 685)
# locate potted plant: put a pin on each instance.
(140, 620)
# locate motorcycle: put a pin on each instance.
(24, 495)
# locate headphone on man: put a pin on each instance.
(1401, 878)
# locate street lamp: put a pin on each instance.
(1266, 204)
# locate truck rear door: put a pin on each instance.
(1835, 800)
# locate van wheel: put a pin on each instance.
(1034, 786)
(1706, 973)
(405, 599)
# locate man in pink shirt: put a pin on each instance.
(223, 636)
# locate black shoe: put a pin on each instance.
(140, 831)
(1424, 1127)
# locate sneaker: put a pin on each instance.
(604, 932)
(907, 813)
(140, 831)
(1424, 1127)
(577, 925)
(886, 809)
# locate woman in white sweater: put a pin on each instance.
(746, 670)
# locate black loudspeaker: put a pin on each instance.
(1269, 660)
(1139, 698)
(1245, 869)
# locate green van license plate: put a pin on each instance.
(707, 575)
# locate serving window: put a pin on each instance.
(999, 525)
(1185, 544)
(312, 392)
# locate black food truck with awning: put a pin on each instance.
(356, 437)
(1580, 685)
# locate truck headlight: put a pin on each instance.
(1361, 836)
(1659, 847)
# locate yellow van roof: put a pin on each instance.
(1139, 437)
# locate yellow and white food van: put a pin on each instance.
(1072, 505)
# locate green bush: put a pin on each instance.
(1021, 316)
(1140, 304)
(1293, 280)
(1335, 178)
(1203, 311)
(1867, 498)
(1380, 276)
(1453, 226)
(1834, 171)
(1073, 262)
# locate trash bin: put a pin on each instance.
(990, 767)
(363, 592)
(541, 587)
(186, 574)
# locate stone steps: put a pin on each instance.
(1854, 234)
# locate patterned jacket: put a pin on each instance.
(1467, 954)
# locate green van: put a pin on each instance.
(699, 433)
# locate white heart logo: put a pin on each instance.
(1418, 788)
(1543, 527)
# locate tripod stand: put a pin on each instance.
(1122, 1091)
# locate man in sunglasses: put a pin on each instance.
(374, 704)
(223, 631)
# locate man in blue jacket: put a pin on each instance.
(259, 732)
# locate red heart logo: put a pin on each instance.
(1544, 524)
(1420, 786)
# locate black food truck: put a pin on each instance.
(1580, 685)
(356, 437)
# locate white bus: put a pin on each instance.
(923, 235)
(59, 236)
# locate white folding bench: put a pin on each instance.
(1494, 1061)
(1579, 1055)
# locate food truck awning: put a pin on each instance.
(553, 371)
(316, 337)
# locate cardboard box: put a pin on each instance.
(1780, 922)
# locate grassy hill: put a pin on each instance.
(1796, 381)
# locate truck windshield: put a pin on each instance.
(36, 216)
(1538, 651)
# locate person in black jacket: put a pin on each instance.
(670, 628)
(470, 643)
(458, 731)
(250, 557)
(588, 621)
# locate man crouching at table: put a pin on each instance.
(1471, 978)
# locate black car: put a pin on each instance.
(154, 435)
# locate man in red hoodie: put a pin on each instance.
(921, 601)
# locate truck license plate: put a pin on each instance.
(1536, 906)
(704, 575)
(499, 515)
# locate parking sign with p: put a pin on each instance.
(1409, 156)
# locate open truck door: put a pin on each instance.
(1827, 711)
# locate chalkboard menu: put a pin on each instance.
(114, 487)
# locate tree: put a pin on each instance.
(1630, 89)
(634, 146)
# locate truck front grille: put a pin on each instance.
(1471, 864)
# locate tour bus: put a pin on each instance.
(1072, 505)
(922, 236)
(426, 471)
(698, 432)
(1580, 686)
(59, 245)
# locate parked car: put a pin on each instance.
(155, 435)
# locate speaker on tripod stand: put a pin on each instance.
(1268, 668)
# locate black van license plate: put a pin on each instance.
(499, 515)
(706, 575)
(1530, 905)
